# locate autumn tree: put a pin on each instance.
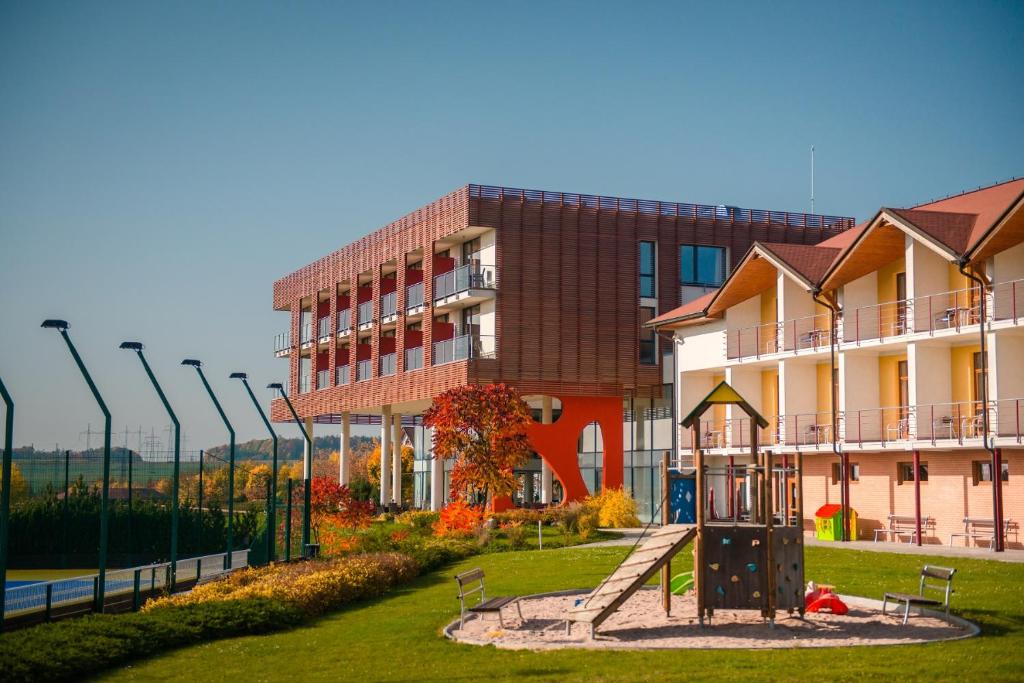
(483, 429)
(373, 467)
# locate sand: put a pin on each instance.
(641, 624)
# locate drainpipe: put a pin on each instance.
(997, 479)
(844, 477)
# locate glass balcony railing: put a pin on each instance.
(323, 327)
(464, 278)
(463, 348)
(389, 304)
(323, 379)
(304, 384)
(282, 342)
(364, 370)
(306, 333)
(366, 312)
(388, 364)
(341, 374)
(345, 320)
(414, 358)
(414, 295)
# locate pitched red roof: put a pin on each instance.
(808, 260)
(692, 309)
(987, 203)
(951, 229)
(845, 238)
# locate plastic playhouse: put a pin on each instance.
(828, 523)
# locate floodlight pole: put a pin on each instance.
(308, 473)
(137, 348)
(62, 327)
(231, 459)
(272, 507)
(5, 494)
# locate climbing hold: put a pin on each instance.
(757, 594)
(714, 566)
(796, 567)
(726, 540)
(752, 566)
(735, 579)
(756, 542)
(719, 590)
(785, 541)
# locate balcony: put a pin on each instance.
(809, 333)
(466, 284)
(365, 313)
(945, 311)
(323, 379)
(387, 364)
(1007, 304)
(414, 296)
(282, 344)
(306, 334)
(389, 308)
(414, 358)
(341, 374)
(323, 330)
(463, 348)
(344, 321)
(364, 370)
(303, 384)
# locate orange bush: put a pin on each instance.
(458, 519)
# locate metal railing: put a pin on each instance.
(388, 363)
(306, 333)
(303, 383)
(464, 278)
(1009, 418)
(323, 379)
(1006, 300)
(46, 596)
(796, 334)
(364, 370)
(877, 321)
(323, 328)
(462, 348)
(365, 312)
(806, 429)
(389, 304)
(414, 295)
(341, 374)
(414, 358)
(282, 342)
(946, 310)
(345, 320)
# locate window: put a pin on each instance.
(905, 472)
(648, 340)
(854, 472)
(982, 471)
(647, 270)
(703, 266)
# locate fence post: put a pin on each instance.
(199, 533)
(199, 569)
(136, 589)
(270, 520)
(288, 525)
(64, 509)
(97, 607)
(131, 515)
(49, 600)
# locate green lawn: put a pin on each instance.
(398, 637)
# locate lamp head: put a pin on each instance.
(59, 325)
(131, 346)
(193, 362)
(277, 386)
(238, 375)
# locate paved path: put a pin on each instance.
(629, 537)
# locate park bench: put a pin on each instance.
(902, 525)
(484, 605)
(943, 574)
(979, 529)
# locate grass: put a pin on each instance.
(398, 637)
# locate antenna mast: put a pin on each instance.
(812, 178)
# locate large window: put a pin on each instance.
(648, 340)
(702, 266)
(647, 269)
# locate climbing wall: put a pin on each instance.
(788, 557)
(734, 573)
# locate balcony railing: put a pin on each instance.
(462, 348)
(1007, 303)
(306, 333)
(366, 312)
(282, 342)
(341, 374)
(414, 358)
(323, 379)
(323, 327)
(303, 384)
(464, 278)
(797, 334)
(388, 364)
(414, 295)
(364, 370)
(345, 320)
(389, 304)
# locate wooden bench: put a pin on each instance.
(980, 529)
(464, 580)
(943, 574)
(902, 525)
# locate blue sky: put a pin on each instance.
(162, 164)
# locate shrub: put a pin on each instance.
(515, 532)
(578, 518)
(458, 519)
(419, 520)
(615, 508)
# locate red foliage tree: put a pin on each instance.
(330, 500)
(483, 428)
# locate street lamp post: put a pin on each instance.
(137, 348)
(308, 465)
(272, 508)
(62, 327)
(5, 494)
(231, 458)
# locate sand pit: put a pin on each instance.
(641, 624)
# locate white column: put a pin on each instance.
(396, 458)
(546, 479)
(385, 451)
(307, 453)
(436, 475)
(344, 450)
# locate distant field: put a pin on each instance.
(45, 574)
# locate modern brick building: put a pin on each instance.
(906, 402)
(546, 291)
